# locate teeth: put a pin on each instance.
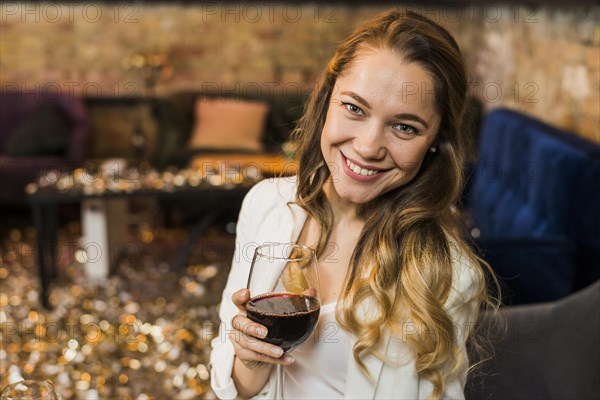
(358, 170)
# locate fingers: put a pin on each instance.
(246, 337)
(252, 350)
(249, 348)
(248, 327)
(310, 292)
(240, 298)
(250, 357)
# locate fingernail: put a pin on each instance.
(261, 332)
(243, 293)
(289, 359)
(277, 351)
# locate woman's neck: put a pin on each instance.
(343, 211)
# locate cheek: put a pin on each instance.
(334, 130)
(327, 140)
(409, 158)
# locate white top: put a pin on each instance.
(267, 216)
(319, 371)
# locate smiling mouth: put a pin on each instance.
(359, 170)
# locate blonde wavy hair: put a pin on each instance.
(407, 238)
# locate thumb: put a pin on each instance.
(241, 297)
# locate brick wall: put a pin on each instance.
(542, 60)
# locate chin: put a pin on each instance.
(358, 197)
(359, 200)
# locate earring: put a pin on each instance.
(432, 149)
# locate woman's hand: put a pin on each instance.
(246, 337)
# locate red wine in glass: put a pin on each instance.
(290, 309)
(290, 318)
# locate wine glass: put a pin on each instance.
(290, 309)
(29, 390)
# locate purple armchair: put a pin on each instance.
(38, 132)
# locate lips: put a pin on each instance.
(361, 171)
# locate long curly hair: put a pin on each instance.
(403, 263)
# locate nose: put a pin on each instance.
(370, 144)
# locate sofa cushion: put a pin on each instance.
(226, 124)
(526, 173)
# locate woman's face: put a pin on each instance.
(380, 123)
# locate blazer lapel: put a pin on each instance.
(358, 385)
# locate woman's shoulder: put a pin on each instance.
(268, 211)
(270, 193)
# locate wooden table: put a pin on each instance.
(226, 178)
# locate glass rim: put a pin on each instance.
(46, 387)
(311, 251)
(41, 382)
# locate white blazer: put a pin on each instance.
(265, 217)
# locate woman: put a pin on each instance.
(380, 154)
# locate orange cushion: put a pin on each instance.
(228, 124)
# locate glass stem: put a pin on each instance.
(280, 382)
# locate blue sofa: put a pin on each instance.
(534, 207)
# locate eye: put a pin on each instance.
(403, 128)
(353, 109)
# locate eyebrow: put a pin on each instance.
(357, 98)
(412, 117)
(365, 103)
